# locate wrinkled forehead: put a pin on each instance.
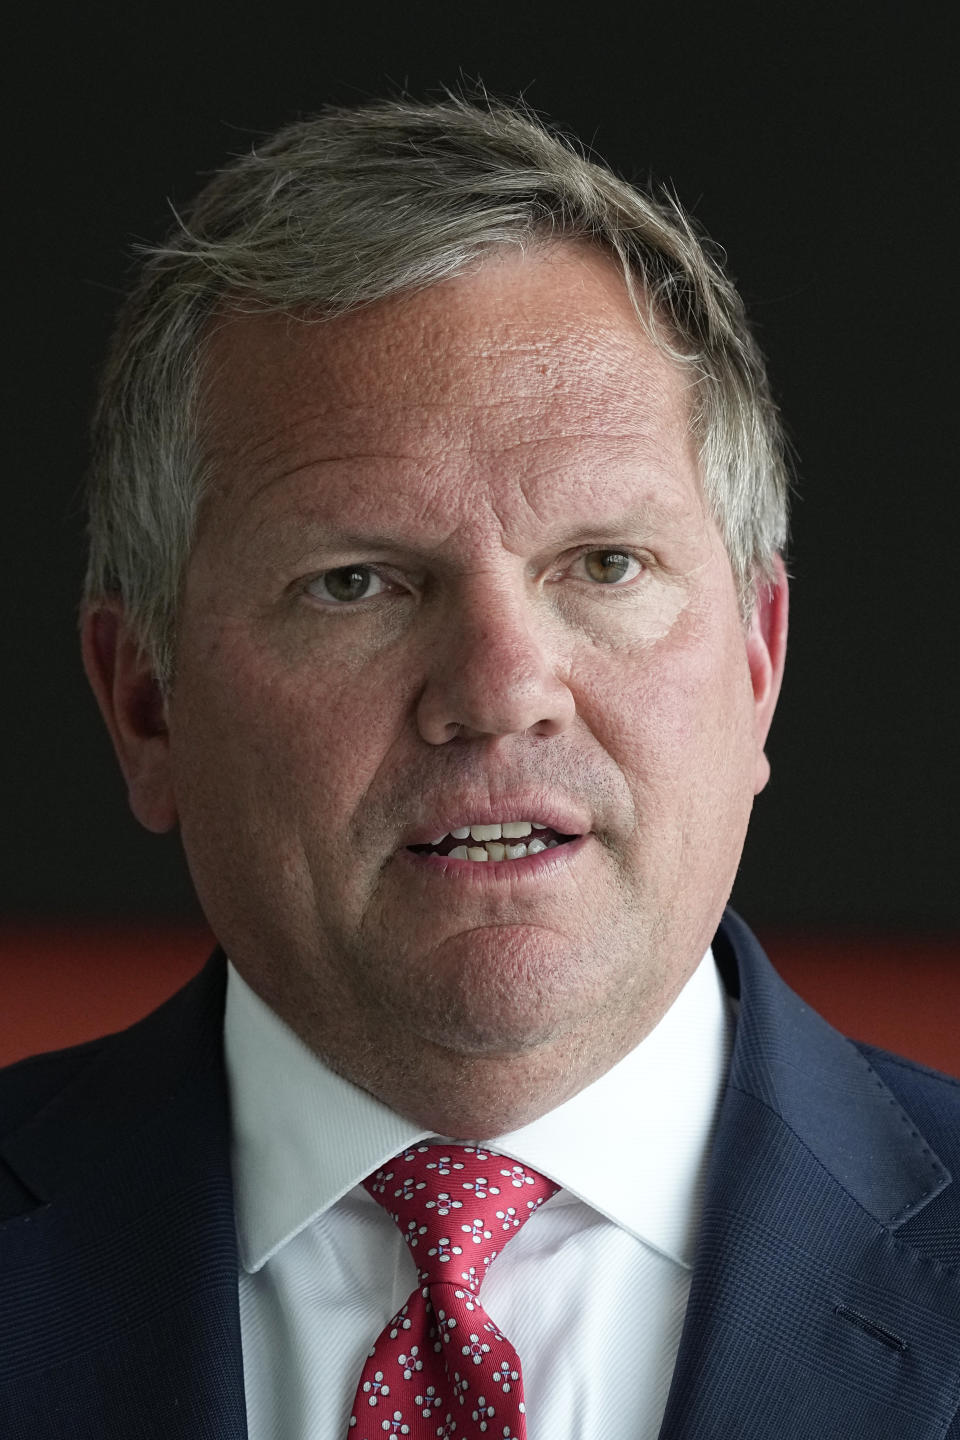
(530, 355)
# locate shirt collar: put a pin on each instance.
(634, 1144)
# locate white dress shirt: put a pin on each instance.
(591, 1292)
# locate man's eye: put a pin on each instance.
(609, 567)
(349, 582)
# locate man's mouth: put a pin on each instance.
(508, 840)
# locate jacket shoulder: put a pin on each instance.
(932, 1101)
(27, 1088)
(62, 1113)
(168, 1035)
(930, 1096)
(911, 1072)
(28, 1085)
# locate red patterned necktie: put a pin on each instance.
(440, 1369)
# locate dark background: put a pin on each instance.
(816, 143)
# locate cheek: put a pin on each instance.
(676, 717)
(294, 745)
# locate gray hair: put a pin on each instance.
(356, 205)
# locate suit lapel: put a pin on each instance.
(808, 1316)
(118, 1302)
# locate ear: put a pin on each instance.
(766, 655)
(133, 707)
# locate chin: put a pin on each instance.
(494, 1036)
(508, 991)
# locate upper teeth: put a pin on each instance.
(505, 830)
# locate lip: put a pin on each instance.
(495, 872)
(454, 815)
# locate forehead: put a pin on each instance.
(527, 377)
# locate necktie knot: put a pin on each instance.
(456, 1206)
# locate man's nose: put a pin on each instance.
(492, 671)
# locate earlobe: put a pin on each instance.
(132, 705)
(766, 657)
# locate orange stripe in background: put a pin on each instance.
(61, 983)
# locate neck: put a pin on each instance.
(478, 1097)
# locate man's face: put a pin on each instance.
(455, 568)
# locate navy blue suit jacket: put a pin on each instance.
(825, 1301)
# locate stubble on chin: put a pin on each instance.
(486, 1052)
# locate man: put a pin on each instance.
(436, 595)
